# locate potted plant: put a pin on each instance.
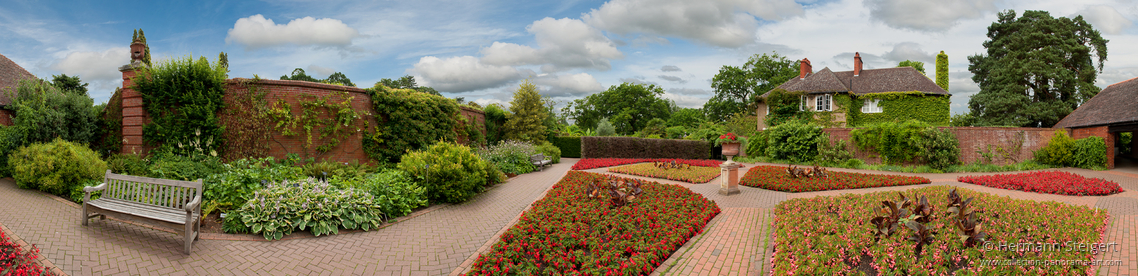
(730, 143)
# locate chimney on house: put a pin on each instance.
(804, 69)
(857, 64)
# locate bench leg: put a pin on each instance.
(83, 215)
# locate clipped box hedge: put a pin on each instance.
(570, 146)
(632, 147)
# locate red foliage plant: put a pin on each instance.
(566, 232)
(14, 261)
(776, 178)
(1047, 182)
(593, 163)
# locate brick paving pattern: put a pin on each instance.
(444, 239)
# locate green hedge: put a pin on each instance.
(1090, 153)
(795, 141)
(910, 141)
(632, 147)
(570, 146)
(455, 175)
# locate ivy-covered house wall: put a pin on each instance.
(902, 106)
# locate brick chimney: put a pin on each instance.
(857, 64)
(805, 69)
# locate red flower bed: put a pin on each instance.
(776, 178)
(566, 232)
(1050, 182)
(16, 262)
(694, 174)
(593, 163)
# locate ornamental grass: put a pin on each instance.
(777, 179)
(569, 233)
(693, 174)
(1047, 182)
(593, 163)
(832, 235)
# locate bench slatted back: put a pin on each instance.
(538, 157)
(174, 194)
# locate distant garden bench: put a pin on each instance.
(540, 161)
(170, 203)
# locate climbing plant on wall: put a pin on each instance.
(903, 106)
(324, 122)
(248, 129)
(409, 120)
(182, 96)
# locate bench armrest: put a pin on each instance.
(193, 205)
(100, 187)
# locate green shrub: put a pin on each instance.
(757, 144)
(77, 191)
(1090, 153)
(1125, 143)
(178, 167)
(1058, 152)
(183, 98)
(10, 139)
(409, 120)
(895, 142)
(129, 164)
(833, 154)
(45, 113)
(853, 164)
(940, 149)
(569, 146)
(327, 169)
(550, 151)
(455, 174)
(676, 132)
(495, 120)
(393, 190)
(794, 141)
(605, 128)
(281, 208)
(509, 156)
(235, 185)
(55, 167)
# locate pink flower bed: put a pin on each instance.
(593, 163)
(1049, 182)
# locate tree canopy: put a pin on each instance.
(628, 107)
(407, 82)
(526, 121)
(687, 117)
(70, 84)
(920, 66)
(1036, 70)
(736, 87)
(336, 78)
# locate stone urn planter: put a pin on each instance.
(731, 149)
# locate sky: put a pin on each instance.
(481, 50)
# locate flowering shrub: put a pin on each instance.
(831, 235)
(1049, 182)
(592, 163)
(776, 178)
(283, 207)
(567, 233)
(695, 174)
(15, 262)
(509, 156)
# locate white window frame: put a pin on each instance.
(871, 106)
(822, 102)
(803, 102)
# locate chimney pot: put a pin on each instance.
(857, 64)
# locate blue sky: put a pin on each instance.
(481, 50)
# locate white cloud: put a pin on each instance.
(464, 73)
(320, 72)
(669, 68)
(909, 51)
(672, 79)
(94, 65)
(579, 84)
(686, 101)
(259, 32)
(724, 23)
(1105, 18)
(925, 15)
(562, 44)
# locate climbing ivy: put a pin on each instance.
(329, 120)
(409, 120)
(182, 97)
(248, 128)
(902, 106)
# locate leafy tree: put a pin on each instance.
(44, 113)
(920, 66)
(526, 121)
(656, 126)
(942, 70)
(1037, 69)
(628, 106)
(495, 121)
(737, 87)
(687, 117)
(339, 78)
(69, 84)
(604, 128)
(407, 82)
(299, 75)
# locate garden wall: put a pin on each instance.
(1102, 131)
(6, 117)
(475, 116)
(972, 140)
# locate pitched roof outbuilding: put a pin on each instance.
(1118, 103)
(10, 75)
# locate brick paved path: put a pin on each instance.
(431, 244)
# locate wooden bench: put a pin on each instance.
(540, 161)
(169, 203)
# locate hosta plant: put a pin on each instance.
(1047, 182)
(688, 174)
(593, 163)
(566, 233)
(777, 178)
(281, 208)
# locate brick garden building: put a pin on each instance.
(10, 75)
(1109, 114)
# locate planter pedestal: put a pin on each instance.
(729, 178)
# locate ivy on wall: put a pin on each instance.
(183, 97)
(903, 106)
(328, 120)
(409, 120)
(248, 128)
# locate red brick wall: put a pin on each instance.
(972, 139)
(133, 117)
(1102, 131)
(6, 117)
(475, 116)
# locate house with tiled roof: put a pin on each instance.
(10, 75)
(864, 96)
